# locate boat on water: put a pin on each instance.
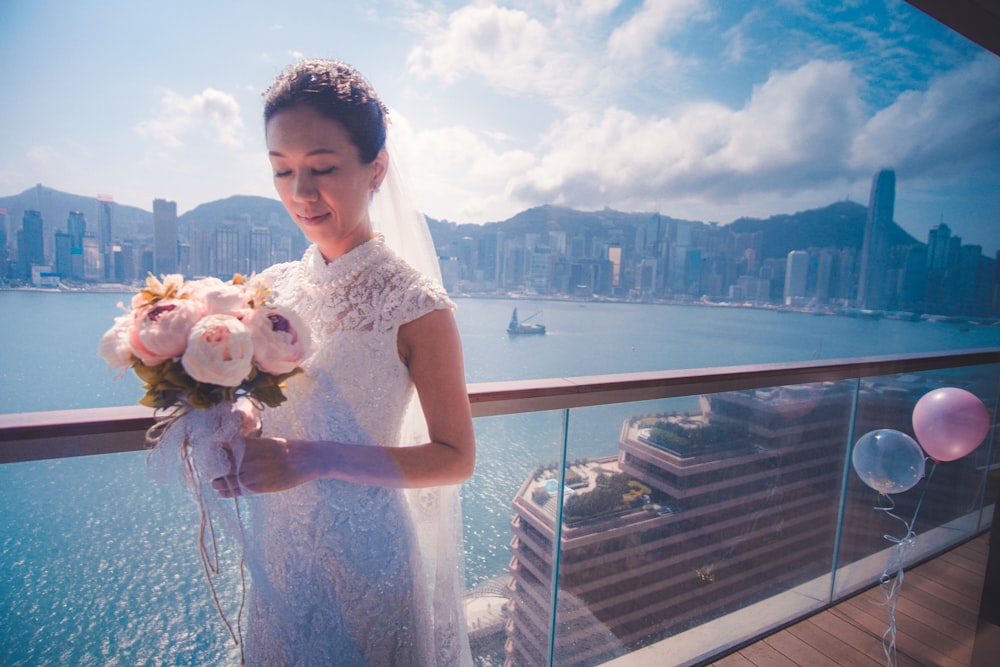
(519, 328)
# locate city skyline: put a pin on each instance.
(556, 252)
(695, 108)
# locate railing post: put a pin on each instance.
(557, 539)
(844, 479)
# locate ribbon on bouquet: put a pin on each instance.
(197, 446)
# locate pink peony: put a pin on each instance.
(220, 298)
(160, 330)
(115, 347)
(280, 339)
(219, 351)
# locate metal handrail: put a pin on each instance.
(37, 436)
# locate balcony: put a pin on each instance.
(764, 549)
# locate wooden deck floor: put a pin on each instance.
(935, 621)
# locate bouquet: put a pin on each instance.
(200, 343)
(204, 349)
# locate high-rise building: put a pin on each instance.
(700, 514)
(4, 240)
(796, 276)
(76, 227)
(938, 247)
(487, 251)
(913, 279)
(92, 259)
(164, 237)
(227, 258)
(64, 254)
(73, 266)
(105, 239)
(971, 281)
(124, 262)
(260, 249)
(201, 243)
(645, 275)
(540, 269)
(615, 257)
(30, 243)
(872, 290)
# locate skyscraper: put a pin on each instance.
(938, 247)
(105, 204)
(164, 237)
(698, 516)
(796, 276)
(76, 227)
(30, 243)
(4, 236)
(227, 258)
(875, 249)
(260, 249)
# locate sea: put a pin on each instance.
(98, 564)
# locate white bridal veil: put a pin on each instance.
(436, 511)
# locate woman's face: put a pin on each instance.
(321, 180)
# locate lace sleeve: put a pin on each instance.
(410, 297)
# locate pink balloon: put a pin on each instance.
(949, 423)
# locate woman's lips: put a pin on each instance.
(313, 219)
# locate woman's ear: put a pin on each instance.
(380, 167)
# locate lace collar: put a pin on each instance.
(317, 271)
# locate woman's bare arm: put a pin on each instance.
(431, 348)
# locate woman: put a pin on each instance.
(354, 545)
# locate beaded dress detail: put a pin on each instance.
(343, 573)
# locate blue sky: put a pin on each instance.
(698, 109)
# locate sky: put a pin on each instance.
(697, 109)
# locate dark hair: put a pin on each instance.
(339, 92)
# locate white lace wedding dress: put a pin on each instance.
(347, 574)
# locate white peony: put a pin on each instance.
(219, 351)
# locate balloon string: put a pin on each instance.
(891, 581)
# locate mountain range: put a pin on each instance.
(839, 225)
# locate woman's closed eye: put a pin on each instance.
(315, 172)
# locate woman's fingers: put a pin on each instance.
(228, 486)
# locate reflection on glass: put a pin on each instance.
(695, 513)
(508, 449)
(711, 519)
(701, 511)
(950, 495)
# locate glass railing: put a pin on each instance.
(695, 511)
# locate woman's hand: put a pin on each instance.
(431, 348)
(250, 422)
(269, 465)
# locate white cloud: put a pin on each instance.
(567, 54)
(210, 115)
(955, 122)
(805, 136)
(640, 35)
(505, 45)
(457, 173)
(793, 132)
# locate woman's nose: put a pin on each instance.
(304, 189)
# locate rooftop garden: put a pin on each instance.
(612, 493)
(690, 438)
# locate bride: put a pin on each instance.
(354, 542)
